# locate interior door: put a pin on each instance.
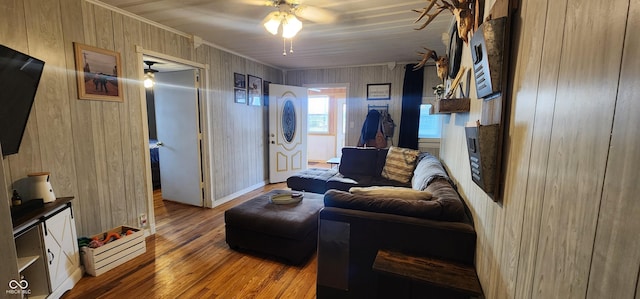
(177, 122)
(287, 131)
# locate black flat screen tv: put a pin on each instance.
(19, 78)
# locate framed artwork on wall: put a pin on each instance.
(239, 80)
(254, 90)
(379, 91)
(239, 95)
(98, 73)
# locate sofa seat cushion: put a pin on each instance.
(406, 207)
(380, 181)
(344, 183)
(311, 180)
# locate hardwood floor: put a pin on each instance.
(188, 258)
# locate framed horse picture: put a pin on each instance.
(98, 72)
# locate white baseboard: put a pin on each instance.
(229, 197)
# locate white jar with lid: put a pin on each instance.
(41, 187)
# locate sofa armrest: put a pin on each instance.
(349, 240)
(453, 241)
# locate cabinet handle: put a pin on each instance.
(52, 256)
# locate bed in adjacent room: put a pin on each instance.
(154, 145)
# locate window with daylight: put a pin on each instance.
(430, 124)
(318, 116)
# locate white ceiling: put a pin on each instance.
(366, 31)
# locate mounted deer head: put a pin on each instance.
(442, 62)
(461, 9)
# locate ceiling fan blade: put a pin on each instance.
(256, 2)
(316, 14)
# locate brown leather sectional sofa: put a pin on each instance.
(352, 228)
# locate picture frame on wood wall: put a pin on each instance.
(254, 90)
(239, 80)
(240, 95)
(379, 91)
(98, 72)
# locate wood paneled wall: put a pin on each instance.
(568, 224)
(358, 77)
(7, 244)
(95, 149)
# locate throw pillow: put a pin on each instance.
(392, 192)
(400, 164)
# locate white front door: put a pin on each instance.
(176, 101)
(287, 131)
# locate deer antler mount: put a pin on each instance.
(442, 62)
(461, 9)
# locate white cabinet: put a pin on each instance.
(31, 265)
(61, 250)
(47, 250)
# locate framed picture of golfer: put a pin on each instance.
(98, 73)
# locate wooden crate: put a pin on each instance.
(115, 253)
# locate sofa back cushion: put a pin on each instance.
(391, 192)
(406, 207)
(443, 193)
(359, 161)
(428, 168)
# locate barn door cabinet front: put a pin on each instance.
(61, 249)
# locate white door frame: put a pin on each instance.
(205, 126)
(336, 85)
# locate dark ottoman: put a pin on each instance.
(287, 231)
(311, 180)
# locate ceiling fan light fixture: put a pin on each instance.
(149, 75)
(291, 26)
(272, 22)
(149, 80)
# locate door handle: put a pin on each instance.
(273, 142)
(159, 144)
(51, 257)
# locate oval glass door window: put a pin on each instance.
(288, 121)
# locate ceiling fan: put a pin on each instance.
(308, 12)
(285, 19)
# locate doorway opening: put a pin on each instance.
(327, 118)
(176, 131)
(173, 109)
